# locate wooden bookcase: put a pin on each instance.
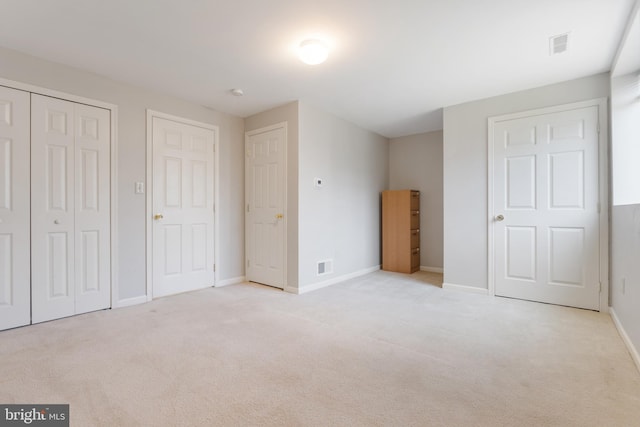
(401, 231)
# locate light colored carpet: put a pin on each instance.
(381, 350)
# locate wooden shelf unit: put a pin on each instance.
(401, 231)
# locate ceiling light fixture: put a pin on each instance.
(237, 92)
(313, 51)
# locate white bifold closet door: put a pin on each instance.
(15, 296)
(70, 236)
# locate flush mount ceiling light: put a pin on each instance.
(313, 51)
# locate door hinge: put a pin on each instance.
(600, 287)
(248, 263)
(598, 127)
(214, 268)
(248, 208)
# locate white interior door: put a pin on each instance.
(183, 207)
(15, 288)
(265, 197)
(70, 236)
(92, 207)
(546, 223)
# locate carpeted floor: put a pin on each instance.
(381, 350)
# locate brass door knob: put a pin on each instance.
(157, 216)
(279, 216)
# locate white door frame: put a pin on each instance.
(113, 109)
(149, 193)
(603, 189)
(284, 127)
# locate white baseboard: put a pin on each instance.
(432, 269)
(332, 281)
(625, 337)
(467, 289)
(232, 281)
(131, 301)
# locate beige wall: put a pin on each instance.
(339, 221)
(415, 162)
(132, 104)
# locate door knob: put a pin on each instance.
(500, 218)
(279, 216)
(157, 216)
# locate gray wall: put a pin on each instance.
(625, 253)
(625, 133)
(132, 103)
(625, 213)
(465, 170)
(340, 220)
(287, 113)
(415, 162)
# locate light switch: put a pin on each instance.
(139, 187)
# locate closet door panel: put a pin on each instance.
(15, 307)
(92, 208)
(52, 208)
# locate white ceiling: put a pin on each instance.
(394, 64)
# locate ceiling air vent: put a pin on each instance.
(558, 44)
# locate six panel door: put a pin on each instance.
(183, 197)
(15, 294)
(70, 269)
(265, 190)
(546, 229)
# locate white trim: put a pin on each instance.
(113, 182)
(432, 269)
(333, 281)
(625, 337)
(127, 302)
(491, 262)
(115, 284)
(603, 188)
(232, 281)
(149, 193)
(56, 94)
(285, 128)
(603, 182)
(464, 288)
